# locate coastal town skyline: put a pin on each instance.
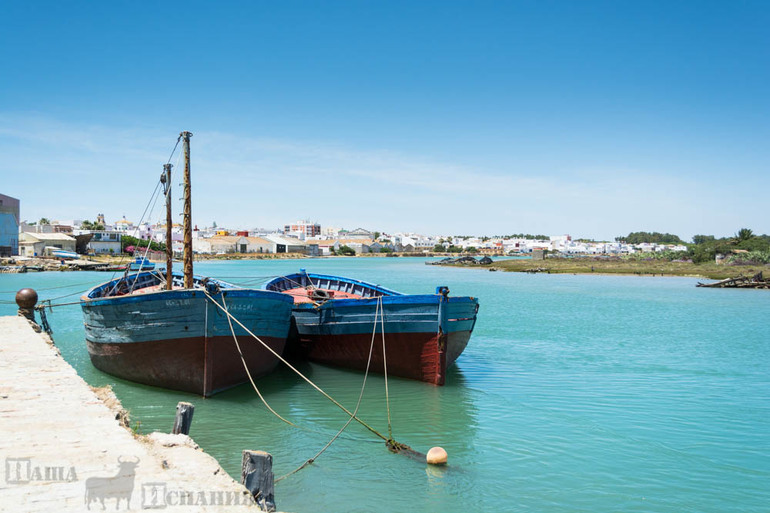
(590, 119)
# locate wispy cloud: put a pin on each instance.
(68, 170)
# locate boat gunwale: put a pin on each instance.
(290, 277)
(228, 287)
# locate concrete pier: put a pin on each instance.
(63, 449)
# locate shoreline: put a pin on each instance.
(63, 435)
(590, 266)
(574, 265)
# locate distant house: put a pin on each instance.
(359, 234)
(221, 244)
(41, 244)
(102, 241)
(302, 229)
(258, 245)
(281, 244)
(9, 226)
(326, 247)
(124, 225)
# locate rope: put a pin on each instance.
(246, 367)
(50, 288)
(149, 244)
(172, 151)
(352, 416)
(384, 360)
(49, 306)
(280, 358)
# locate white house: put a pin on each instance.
(102, 241)
(40, 244)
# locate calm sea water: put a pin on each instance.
(576, 393)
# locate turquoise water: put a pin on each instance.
(576, 393)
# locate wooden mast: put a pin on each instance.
(166, 179)
(188, 256)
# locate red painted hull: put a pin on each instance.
(420, 356)
(198, 365)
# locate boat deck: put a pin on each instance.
(302, 295)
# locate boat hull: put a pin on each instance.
(424, 334)
(180, 340)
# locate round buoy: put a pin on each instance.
(437, 456)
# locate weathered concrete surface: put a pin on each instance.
(56, 434)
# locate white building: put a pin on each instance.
(41, 244)
(102, 241)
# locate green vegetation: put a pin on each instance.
(705, 248)
(622, 265)
(346, 251)
(126, 241)
(744, 254)
(88, 225)
(386, 250)
(654, 237)
(439, 248)
(524, 236)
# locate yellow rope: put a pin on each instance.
(246, 367)
(358, 404)
(384, 361)
(280, 358)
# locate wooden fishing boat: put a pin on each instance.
(141, 264)
(336, 317)
(165, 330)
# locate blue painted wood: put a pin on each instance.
(413, 313)
(181, 313)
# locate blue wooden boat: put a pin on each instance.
(178, 339)
(141, 264)
(335, 318)
(165, 330)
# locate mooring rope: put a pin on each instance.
(384, 360)
(246, 367)
(391, 443)
(264, 401)
(355, 411)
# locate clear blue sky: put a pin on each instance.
(590, 118)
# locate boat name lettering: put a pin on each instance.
(178, 302)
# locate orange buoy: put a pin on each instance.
(436, 456)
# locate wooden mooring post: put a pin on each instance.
(183, 420)
(257, 477)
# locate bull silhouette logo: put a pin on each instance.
(120, 486)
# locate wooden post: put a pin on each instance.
(183, 420)
(188, 256)
(166, 179)
(257, 477)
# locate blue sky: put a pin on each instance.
(590, 118)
